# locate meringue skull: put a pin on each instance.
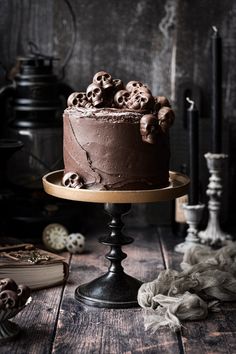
(121, 98)
(94, 95)
(103, 80)
(75, 243)
(149, 128)
(72, 180)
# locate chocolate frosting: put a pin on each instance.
(105, 148)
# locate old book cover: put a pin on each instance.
(32, 266)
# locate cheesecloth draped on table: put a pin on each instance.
(207, 277)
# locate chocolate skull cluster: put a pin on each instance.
(104, 91)
(12, 296)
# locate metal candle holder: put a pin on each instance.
(213, 235)
(193, 215)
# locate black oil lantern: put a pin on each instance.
(36, 120)
(31, 108)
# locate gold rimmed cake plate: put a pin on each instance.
(178, 185)
(114, 289)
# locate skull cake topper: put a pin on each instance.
(72, 99)
(104, 91)
(166, 118)
(94, 95)
(142, 100)
(103, 80)
(78, 99)
(149, 128)
(121, 98)
(132, 85)
(117, 85)
(161, 101)
(141, 89)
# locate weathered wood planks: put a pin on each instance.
(83, 329)
(56, 323)
(217, 333)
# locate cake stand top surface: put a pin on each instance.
(178, 186)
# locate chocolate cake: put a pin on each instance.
(116, 137)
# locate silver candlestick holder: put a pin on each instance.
(213, 235)
(193, 215)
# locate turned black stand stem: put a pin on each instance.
(114, 289)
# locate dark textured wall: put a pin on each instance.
(164, 43)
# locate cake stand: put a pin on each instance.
(114, 289)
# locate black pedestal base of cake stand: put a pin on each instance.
(115, 289)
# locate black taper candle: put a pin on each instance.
(216, 107)
(192, 116)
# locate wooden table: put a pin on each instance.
(56, 323)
